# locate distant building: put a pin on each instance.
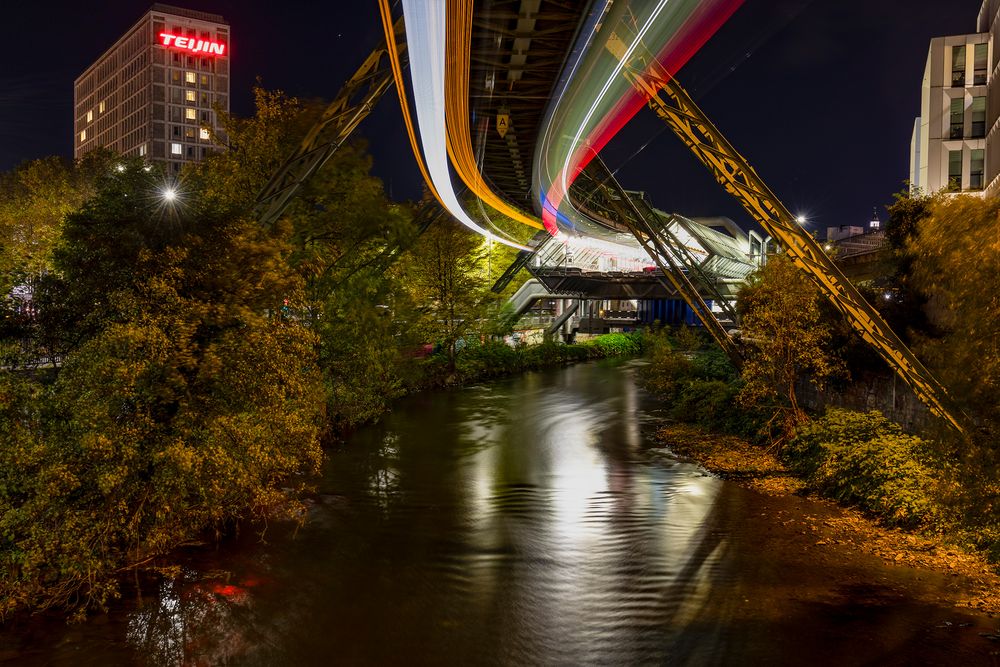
(153, 93)
(948, 149)
(843, 232)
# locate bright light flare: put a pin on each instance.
(169, 195)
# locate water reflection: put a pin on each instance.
(526, 522)
(522, 521)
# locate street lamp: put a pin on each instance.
(169, 195)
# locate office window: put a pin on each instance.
(189, 133)
(190, 77)
(176, 131)
(190, 114)
(957, 118)
(90, 116)
(83, 135)
(177, 149)
(978, 117)
(142, 150)
(982, 52)
(958, 66)
(954, 171)
(976, 169)
(204, 80)
(190, 95)
(204, 134)
(175, 76)
(100, 108)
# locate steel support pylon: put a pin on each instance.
(676, 108)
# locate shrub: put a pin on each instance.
(864, 459)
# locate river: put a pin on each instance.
(532, 520)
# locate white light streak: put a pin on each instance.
(426, 24)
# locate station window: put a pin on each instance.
(176, 149)
(190, 77)
(190, 114)
(90, 116)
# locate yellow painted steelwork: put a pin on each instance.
(675, 107)
(351, 106)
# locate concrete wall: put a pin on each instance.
(887, 394)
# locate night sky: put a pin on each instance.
(819, 95)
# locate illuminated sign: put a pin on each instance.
(192, 45)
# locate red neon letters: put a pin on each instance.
(193, 45)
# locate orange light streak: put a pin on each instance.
(458, 56)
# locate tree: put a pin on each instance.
(954, 262)
(445, 271)
(780, 320)
(186, 402)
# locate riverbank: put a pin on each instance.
(831, 527)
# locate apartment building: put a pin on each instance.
(155, 93)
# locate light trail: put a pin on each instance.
(425, 37)
(682, 26)
(459, 53)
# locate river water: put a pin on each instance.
(528, 521)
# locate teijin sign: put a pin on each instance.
(192, 45)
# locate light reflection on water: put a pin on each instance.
(520, 522)
(531, 521)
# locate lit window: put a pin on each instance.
(978, 117)
(954, 171)
(191, 114)
(90, 116)
(142, 150)
(958, 66)
(204, 133)
(189, 133)
(83, 136)
(977, 168)
(982, 55)
(100, 108)
(176, 149)
(204, 79)
(190, 95)
(190, 77)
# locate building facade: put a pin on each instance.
(948, 148)
(156, 92)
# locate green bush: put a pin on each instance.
(616, 345)
(863, 459)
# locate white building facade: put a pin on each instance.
(948, 148)
(155, 93)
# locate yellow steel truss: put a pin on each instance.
(676, 108)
